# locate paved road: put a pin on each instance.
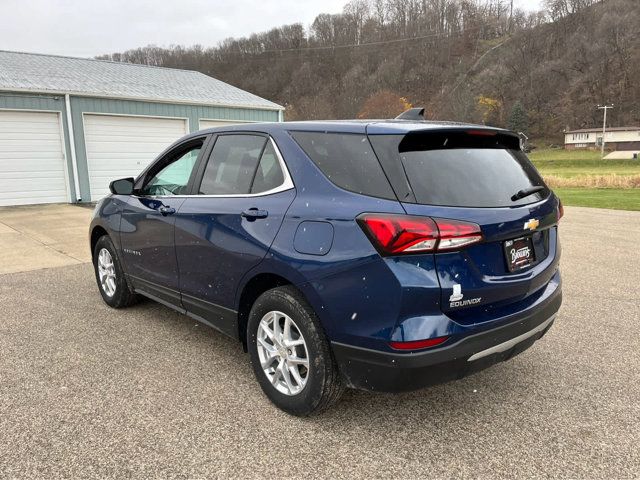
(86, 391)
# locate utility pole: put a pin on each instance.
(604, 126)
(511, 17)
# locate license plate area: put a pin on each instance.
(519, 253)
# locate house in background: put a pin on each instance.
(68, 126)
(616, 138)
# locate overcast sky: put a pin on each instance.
(86, 28)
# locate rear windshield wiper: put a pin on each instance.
(525, 192)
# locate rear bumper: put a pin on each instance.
(396, 372)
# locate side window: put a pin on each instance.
(232, 165)
(347, 160)
(173, 179)
(269, 173)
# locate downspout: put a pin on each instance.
(281, 115)
(72, 145)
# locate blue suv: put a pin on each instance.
(382, 255)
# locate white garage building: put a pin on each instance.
(68, 126)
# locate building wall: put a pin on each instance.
(579, 138)
(80, 105)
(610, 137)
(623, 146)
(192, 113)
(630, 136)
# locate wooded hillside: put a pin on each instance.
(471, 60)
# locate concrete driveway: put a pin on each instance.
(43, 236)
(86, 391)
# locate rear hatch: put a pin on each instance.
(481, 177)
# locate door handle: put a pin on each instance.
(166, 210)
(253, 213)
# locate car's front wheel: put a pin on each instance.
(110, 276)
(290, 354)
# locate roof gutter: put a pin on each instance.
(72, 148)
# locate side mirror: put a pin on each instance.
(123, 186)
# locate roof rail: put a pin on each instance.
(412, 114)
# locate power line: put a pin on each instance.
(466, 74)
(355, 45)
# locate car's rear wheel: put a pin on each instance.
(290, 354)
(109, 275)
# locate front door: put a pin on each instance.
(148, 223)
(228, 225)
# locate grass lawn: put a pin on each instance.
(580, 165)
(551, 154)
(616, 198)
(574, 163)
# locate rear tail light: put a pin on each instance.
(400, 233)
(394, 234)
(560, 210)
(418, 344)
(455, 234)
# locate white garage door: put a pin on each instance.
(215, 123)
(119, 146)
(32, 162)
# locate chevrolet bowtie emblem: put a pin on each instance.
(531, 224)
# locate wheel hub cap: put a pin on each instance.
(106, 272)
(283, 353)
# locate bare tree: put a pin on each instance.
(443, 54)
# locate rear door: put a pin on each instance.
(228, 225)
(475, 176)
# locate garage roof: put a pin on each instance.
(99, 78)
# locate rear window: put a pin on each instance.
(456, 169)
(347, 160)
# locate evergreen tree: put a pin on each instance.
(518, 120)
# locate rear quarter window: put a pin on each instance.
(347, 160)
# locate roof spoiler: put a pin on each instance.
(412, 114)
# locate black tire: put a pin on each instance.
(123, 296)
(324, 385)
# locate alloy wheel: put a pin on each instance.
(107, 272)
(283, 353)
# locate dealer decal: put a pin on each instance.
(520, 254)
